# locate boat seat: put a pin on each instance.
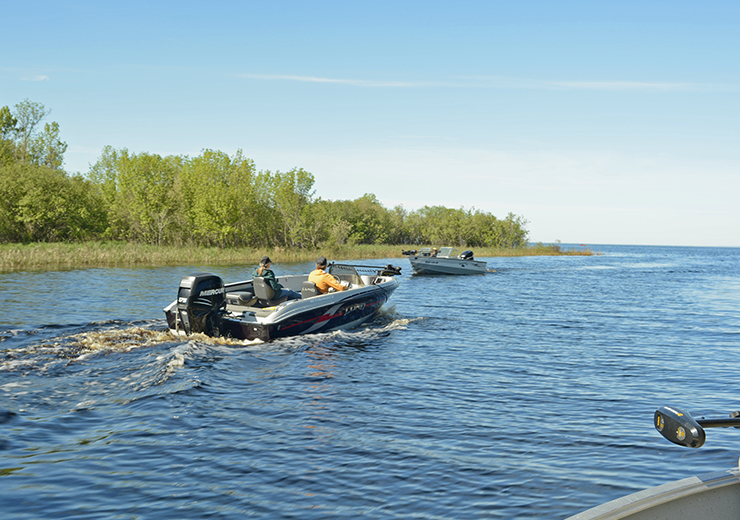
(265, 294)
(242, 298)
(308, 289)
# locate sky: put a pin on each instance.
(609, 122)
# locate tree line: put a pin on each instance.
(214, 199)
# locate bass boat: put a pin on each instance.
(247, 310)
(445, 261)
(715, 496)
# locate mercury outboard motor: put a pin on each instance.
(200, 300)
(466, 255)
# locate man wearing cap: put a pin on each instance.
(324, 280)
(265, 272)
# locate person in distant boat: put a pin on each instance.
(265, 272)
(324, 280)
(434, 251)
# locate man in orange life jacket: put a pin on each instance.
(324, 280)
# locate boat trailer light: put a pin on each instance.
(681, 428)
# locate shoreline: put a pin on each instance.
(84, 255)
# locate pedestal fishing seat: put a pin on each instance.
(265, 294)
(308, 289)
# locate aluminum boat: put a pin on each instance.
(446, 260)
(715, 496)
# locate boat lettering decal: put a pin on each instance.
(211, 292)
(354, 307)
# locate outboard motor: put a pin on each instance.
(200, 300)
(466, 255)
(391, 270)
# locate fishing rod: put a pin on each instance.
(681, 428)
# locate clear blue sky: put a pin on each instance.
(599, 122)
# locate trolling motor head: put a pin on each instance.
(679, 427)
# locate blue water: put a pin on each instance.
(524, 393)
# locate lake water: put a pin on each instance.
(524, 393)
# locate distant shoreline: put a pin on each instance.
(85, 255)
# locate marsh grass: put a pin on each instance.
(50, 256)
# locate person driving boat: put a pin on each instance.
(323, 280)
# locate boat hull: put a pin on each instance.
(337, 313)
(334, 311)
(715, 496)
(435, 265)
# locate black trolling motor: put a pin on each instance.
(681, 428)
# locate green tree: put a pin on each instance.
(514, 231)
(47, 148)
(7, 136)
(292, 193)
(10, 192)
(28, 115)
(21, 141)
(223, 198)
(397, 229)
(139, 192)
(317, 222)
(369, 220)
(41, 204)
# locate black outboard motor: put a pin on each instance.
(200, 300)
(390, 270)
(466, 255)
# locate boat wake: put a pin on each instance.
(58, 351)
(371, 334)
(69, 348)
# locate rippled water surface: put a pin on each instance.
(527, 392)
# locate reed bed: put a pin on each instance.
(52, 256)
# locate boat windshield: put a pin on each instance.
(449, 252)
(346, 273)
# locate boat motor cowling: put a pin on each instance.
(200, 300)
(466, 255)
(391, 270)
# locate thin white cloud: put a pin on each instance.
(37, 77)
(354, 82)
(640, 85)
(504, 82)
